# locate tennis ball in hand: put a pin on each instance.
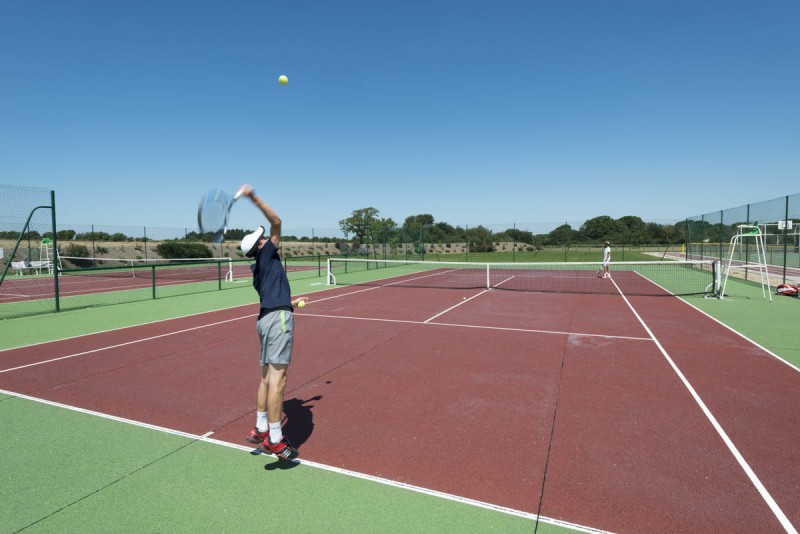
(282, 79)
(301, 304)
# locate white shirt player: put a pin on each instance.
(606, 259)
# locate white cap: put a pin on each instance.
(250, 242)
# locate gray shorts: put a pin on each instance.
(276, 331)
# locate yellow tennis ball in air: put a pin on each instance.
(282, 79)
(301, 304)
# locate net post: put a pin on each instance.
(219, 275)
(153, 278)
(229, 274)
(488, 277)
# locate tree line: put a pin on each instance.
(366, 226)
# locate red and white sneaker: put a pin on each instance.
(255, 437)
(283, 449)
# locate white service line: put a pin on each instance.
(776, 510)
(502, 328)
(456, 306)
(504, 281)
(372, 288)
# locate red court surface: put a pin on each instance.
(596, 410)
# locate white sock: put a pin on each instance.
(261, 421)
(275, 432)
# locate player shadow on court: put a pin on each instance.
(298, 428)
(299, 420)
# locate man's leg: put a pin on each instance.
(273, 384)
(259, 432)
(263, 389)
(276, 382)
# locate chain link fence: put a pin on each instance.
(709, 236)
(27, 241)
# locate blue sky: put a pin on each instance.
(475, 112)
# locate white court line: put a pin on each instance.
(456, 306)
(504, 281)
(776, 510)
(501, 328)
(3, 297)
(387, 482)
(127, 327)
(782, 360)
(123, 344)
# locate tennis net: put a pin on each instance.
(169, 268)
(661, 278)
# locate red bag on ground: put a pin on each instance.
(790, 290)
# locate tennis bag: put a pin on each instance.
(789, 290)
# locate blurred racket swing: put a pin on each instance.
(213, 212)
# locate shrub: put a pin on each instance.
(75, 251)
(180, 249)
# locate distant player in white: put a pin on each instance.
(606, 259)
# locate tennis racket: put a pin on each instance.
(213, 212)
(600, 272)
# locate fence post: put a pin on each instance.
(55, 249)
(747, 247)
(785, 244)
(686, 241)
(466, 244)
(514, 246)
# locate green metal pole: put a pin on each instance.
(785, 241)
(514, 246)
(466, 245)
(55, 249)
(686, 251)
(703, 241)
(747, 245)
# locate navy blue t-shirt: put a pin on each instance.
(269, 279)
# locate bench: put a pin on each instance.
(21, 266)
